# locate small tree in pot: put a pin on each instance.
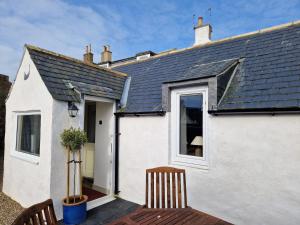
(74, 207)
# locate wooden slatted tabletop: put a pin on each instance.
(169, 216)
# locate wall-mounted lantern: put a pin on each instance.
(73, 109)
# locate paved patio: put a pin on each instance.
(109, 212)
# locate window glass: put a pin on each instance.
(28, 134)
(191, 125)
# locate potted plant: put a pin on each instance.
(74, 206)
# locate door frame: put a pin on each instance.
(110, 196)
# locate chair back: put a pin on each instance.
(165, 188)
(38, 214)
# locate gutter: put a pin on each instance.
(261, 111)
(151, 113)
(189, 79)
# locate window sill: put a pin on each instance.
(26, 157)
(202, 166)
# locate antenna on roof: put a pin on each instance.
(194, 20)
(88, 48)
(209, 10)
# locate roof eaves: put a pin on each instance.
(188, 79)
(272, 111)
(146, 113)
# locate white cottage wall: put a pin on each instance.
(253, 175)
(143, 144)
(25, 180)
(61, 121)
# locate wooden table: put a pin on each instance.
(169, 216)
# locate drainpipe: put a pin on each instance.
(117, 134)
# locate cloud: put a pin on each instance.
(66, 28)
(54, 25)
(130, 27)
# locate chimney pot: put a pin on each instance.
(106, 55)
(202, 32)
(88, 57)
(200, 21)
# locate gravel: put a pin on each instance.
(1, 169)
(9, 209)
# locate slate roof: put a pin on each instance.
(199, 70)
(58, 71)
(268, 78)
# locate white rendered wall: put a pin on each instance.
(25, 181)
(61, 121)
(143, 144)
(202, 35)
(253, 176)
(103, 146)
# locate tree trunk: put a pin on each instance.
(74, 176)
(68, 177)
(80, 175)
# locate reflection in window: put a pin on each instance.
(28, 134)
(191, 125)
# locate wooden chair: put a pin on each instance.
(38, 214)
(166, 189)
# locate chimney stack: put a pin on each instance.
(106, 55)
(202, 32)
(88, 56)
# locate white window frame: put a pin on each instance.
(175, 156)
(35, 159)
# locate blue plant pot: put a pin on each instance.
(74, 213)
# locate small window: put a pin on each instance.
(188, 127)
(28, 134)
(191, 125)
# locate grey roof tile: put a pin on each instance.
(269, 76)
(57, 71)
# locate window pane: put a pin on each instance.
(191, 125)
(28, 134)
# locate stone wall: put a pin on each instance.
(4, 89)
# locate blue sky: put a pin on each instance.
(129, 27)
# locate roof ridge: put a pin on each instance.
(260, 31)
(28, 46)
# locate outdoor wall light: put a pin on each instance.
(73, 109)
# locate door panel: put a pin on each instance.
(88, 160)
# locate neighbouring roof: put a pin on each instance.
(58, 72)
(267, 78)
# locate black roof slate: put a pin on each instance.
(268, 77)
(58, 71)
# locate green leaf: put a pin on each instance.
(73, 139)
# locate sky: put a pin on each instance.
(129, 27)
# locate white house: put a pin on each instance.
(227, 111)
